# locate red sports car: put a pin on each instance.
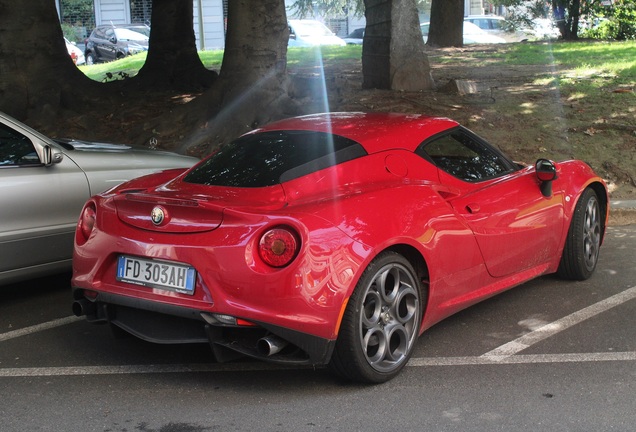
(331, 239)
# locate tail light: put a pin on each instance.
(278, 246)
(86, 222)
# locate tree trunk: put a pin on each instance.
(567, 14)
(447, 23)
(38, 77)
(393, 50)
(173, 61)
(252, 85)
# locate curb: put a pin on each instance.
(622, 212)
(623, 204)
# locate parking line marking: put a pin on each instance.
(513, 347)
(523, 359)
(261, 366)
(37, 328)
(504, 354)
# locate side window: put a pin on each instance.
(99, 33)
(464, 157)
(16, 149)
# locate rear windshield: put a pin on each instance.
(265, 159)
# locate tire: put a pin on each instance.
(381, 323)
(581, 250)
(90, 58)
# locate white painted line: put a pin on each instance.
(523, 359)
(141, 369)
(529, 339)
(262, 366)
(39, 327)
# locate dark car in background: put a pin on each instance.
(355, 37)
(115, 41)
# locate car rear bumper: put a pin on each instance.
(170, 324)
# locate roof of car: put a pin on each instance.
(375, 131)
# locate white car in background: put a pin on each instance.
(498, 26)
(307, 33)
(76, 54)
(472, 34)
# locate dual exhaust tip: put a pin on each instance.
(270, 345)
(265, 346)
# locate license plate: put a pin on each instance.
(156, 274)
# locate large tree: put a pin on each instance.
(37, 76)
(566, 14)
(41, 84)
(173, 60)
(447, 21)
(393, 50)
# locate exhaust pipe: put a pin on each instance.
(270, 345)
(84, 307)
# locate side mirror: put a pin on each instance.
(52, 155)
(546, 171)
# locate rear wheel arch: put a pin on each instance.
(601, 195)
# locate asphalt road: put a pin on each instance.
(546, 356)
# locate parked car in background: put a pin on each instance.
(498, 26)
(115, 41)
(43, 186)
(76, 54)
(333, 238)
(355, 37)
(472, 34)
(306, 33)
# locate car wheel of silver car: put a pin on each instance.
(90, 59)
(381, 323)
(580, 253)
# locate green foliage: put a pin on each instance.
(617, 22)
(77, 7)
(69, 32)
(309, 8)
(77, 17)
(119, 69)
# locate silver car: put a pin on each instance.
(43, 186)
